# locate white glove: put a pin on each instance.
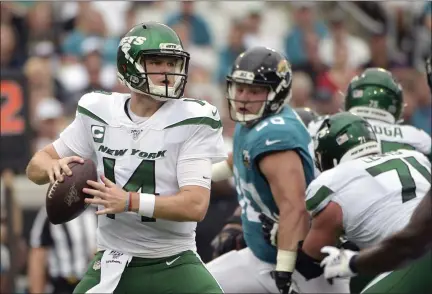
(337, 263)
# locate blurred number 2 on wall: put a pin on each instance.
(12, 102)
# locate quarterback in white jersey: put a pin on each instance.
(153, 150)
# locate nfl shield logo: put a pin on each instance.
(97, 265)
(135, 134)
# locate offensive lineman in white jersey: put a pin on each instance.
(154, 151)
(399, 252)
(377, 97)
(361, 193)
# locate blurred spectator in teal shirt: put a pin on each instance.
(304, 21)
(90, 23)
(228, 54)
(200, 33)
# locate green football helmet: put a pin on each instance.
(375, 94)
(343, 136)
(151, 39)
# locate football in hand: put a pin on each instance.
(65, 200)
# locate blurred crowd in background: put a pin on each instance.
(65, 49)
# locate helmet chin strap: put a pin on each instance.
(247, 118)
(162, 90)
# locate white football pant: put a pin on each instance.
(242, 272)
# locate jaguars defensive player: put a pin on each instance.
(231, 236)
(272, 167)
(154, 151)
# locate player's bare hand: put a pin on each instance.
(107, 194)
(59, 167)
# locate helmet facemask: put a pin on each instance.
(268, 105)
(143, 82)
(240, 115)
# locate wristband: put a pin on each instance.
(130, 202)
(146, 204)
(286, 261)
(127, 204)
(221, 171)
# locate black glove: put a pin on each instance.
(345, 244)
(269, 228)
(283, 281)
(230, 238)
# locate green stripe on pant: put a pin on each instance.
(414, 278)
(181, 273)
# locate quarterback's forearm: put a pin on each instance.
(410, 243)
(184, 206)
(36, 171)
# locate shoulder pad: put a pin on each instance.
(277, 133)
(100, 105)
(317, 197)
(188, 111)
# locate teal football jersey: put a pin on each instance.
(282, 131)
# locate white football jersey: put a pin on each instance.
(391, 136)
(143, 157)
(377, 194)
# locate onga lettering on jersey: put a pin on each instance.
(390, 132)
